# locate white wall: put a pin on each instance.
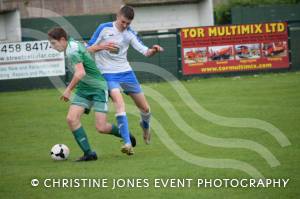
(162, 17)
(206, 13)
(10, 26)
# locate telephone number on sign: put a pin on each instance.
(18, 47)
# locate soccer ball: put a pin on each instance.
(59, 152)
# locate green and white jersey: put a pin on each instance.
(93, 80)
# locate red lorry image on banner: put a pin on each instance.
(243, 47)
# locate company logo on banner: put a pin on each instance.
(245, 47)
(30, 59)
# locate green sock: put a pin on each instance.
(115, 131)
(82, 140)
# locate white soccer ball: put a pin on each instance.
(59, 152)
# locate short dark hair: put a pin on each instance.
(57, 33)
(127, 11)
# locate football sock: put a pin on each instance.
(145, 119)
(115, 131)
(82, 140)
(123, 127)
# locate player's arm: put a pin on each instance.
(110, 46)
(96, 44)
(138, 45)
(78, 75)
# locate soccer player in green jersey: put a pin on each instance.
(91, 91)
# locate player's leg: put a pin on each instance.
(104, 127)
(73, 119)
(113, 82)
(142, 104)
(132, 87)
(101, 108)
(121, 117)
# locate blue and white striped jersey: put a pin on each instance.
(115, 62)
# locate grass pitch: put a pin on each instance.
(33, 121)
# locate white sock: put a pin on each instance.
(146, 116)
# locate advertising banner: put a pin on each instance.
(234, 48)
(30, 59)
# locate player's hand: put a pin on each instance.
(109, 46)
(66, 95)
(157, 48)
(153, 50)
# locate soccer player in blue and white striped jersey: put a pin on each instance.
(110, 44)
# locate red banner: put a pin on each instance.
(245, 47)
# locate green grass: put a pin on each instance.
(33, 121)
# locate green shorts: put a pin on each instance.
(96, 100)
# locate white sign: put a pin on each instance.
(30, 59)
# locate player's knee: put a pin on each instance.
(71, 120)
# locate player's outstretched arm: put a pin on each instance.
(138, 45)
(78, 75)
